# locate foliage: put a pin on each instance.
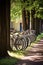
(39, 9)
(36, 5)
(40, 36)
(18, 5)
(15, 10)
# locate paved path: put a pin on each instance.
(33, 56)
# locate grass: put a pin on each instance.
(8, 61)
(17, 54)
(39, 37)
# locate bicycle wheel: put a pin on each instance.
(20, 44)
(32, 37)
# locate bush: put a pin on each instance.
(40, 36)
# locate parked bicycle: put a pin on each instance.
(21, 41)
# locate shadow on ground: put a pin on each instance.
(33, 56)
(28, 62)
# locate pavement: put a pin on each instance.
(34, 55)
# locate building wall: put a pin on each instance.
(16, 25)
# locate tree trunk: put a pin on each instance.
(4, 26)
(24, 19)
(27, 19)
(30, 20)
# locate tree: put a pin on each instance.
(31, 5)
(34, 5)
(4, 27)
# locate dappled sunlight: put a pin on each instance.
(42, 40)
(33, 58)
(16, 55)
(24, 64)
(36, 49)
(32, 54)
